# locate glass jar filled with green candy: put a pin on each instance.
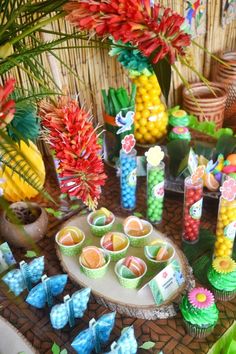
(155, 192)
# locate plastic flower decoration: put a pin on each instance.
(200, 298)
(155, 30)
(154, 155)
(128, 143)
(228, 189)
(7, 106)
(69, 131)
(224, 265)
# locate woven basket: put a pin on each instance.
(226, 75)
(201, 102)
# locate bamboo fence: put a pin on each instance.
(94, 69)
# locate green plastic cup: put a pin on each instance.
(159, 265)
(140, 241)
(72, 250)
(116, 255)
(126, 282)
(97, 272)
(100, 231)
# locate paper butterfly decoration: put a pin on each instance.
(126, 344)
(20, 279)
(73, 307)
(44, 292)
(95, 336)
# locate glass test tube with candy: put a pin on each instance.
(193, 193)
(226, 228)
(155, 192)
(128, 179)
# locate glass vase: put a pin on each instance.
(128, 179)
(226, 228)
(155, 192)
(193, 199)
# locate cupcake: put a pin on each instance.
(101, 221)
(94, 262)
(179, 118)
(180, 133)
(137, 230)
(115, 244)
(130, 271)
(199, 312)
(222, 277)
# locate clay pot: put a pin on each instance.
(32, 226)
(226, 75)
(210, 107)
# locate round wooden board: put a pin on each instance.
(110, 293)
(12, 341)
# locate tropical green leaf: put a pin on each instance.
(56, 213)
(25, 124)
(163, 73)
(147, 345)
(55, 349)
(139, 215)
(31, 254)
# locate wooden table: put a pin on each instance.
(169, 335)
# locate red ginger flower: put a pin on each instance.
(70, 132)
(156, 31)
(7, 107)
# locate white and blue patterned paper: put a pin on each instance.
(126, 344)
(98, 334)
(44, 292)
(73, 307)
(20, 279)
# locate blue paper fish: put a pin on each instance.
(98, 334)
(73, 307)
(125, 123)
(20, 279)
(126, 344)
(44, 292)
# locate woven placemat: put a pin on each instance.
(169, 335)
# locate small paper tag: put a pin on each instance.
(196, 210)
(124, 122)
(132, 178)
(230, 231)
(158, 190)
(6, 257)
(166, 283)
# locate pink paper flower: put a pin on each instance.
(128, 143)
(201, 298)
(228, 189)
(180, 130)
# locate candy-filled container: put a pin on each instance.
(151, 118)
(94, 262)
(137, 230)
(130, 271)
(101, 221)
(115, 244)
(193, 193)
(226, 228)
(70, 240)
(155, 192)
(128, 179)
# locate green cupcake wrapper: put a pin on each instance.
(130, 283)
(156, 266)
(197, 331)
(139, 241)
(100, 231)
(70, 250)
(117, 256)
(224, 295)
(96, 273)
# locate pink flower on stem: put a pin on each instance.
(128, 143)
(228, 189)
(201, 298)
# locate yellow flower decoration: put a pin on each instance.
(154, 155)
(224, 265)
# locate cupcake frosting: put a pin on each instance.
(222, 281)
(206, 315)
(179, 119)
(181, 133)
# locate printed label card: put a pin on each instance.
(167, 282)
(228, 11)
(195, 13)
